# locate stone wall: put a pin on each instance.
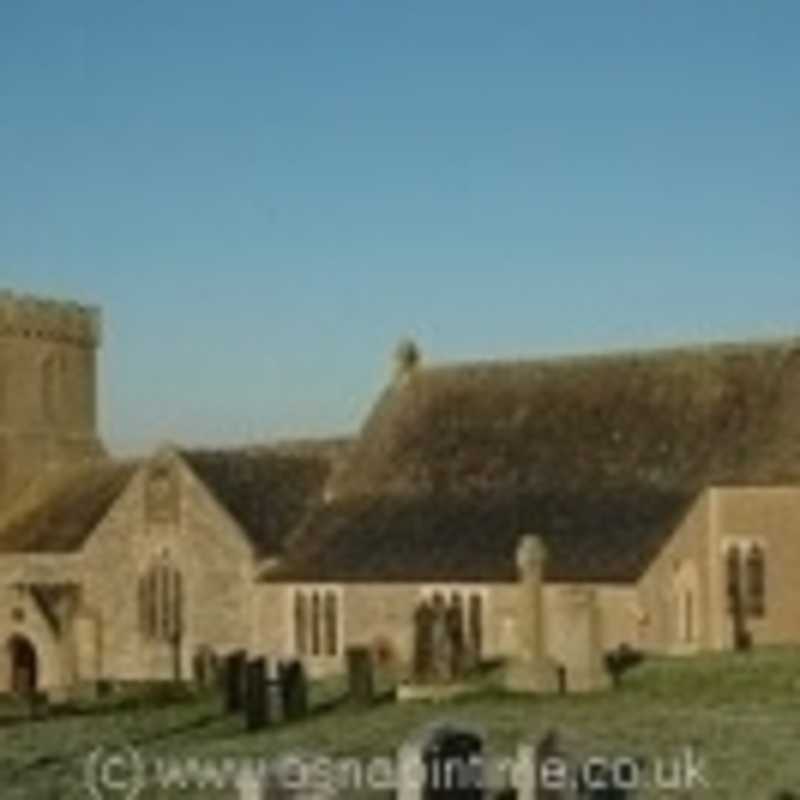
(22, 616)
(379, 613)
(662, 590)
(769, 517)
(201, 542)
(694, 561)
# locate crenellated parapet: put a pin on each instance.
(50, 320)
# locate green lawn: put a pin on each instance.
(741, 714)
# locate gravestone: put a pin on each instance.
(582, 647)
(361, 675)
(205, 668)
(444, 762)
(275, 694)
(256, 698)
(235, 681)
(294, 685)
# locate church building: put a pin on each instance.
(663, 488)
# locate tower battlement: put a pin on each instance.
(54, 320)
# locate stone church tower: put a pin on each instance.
(48, 390)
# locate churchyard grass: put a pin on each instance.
(740, 713)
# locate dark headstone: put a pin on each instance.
(361, 675)
(294, 685)
(453, 766)
(256, 709)
(235, 664)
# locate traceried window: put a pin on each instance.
(331, 624)
(475, 623)
(316, 625)
(300, 623)
(161, 602)
(733, 579)
(746, 572)
(316, 621)
(470, 606)
(755, 569)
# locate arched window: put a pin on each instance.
(161, 603)
(177, 604)
(756, 581)
(300, 624)
(475, 625)
(151, 608)
(316, 625)
(733, 578)
(317, 622)
(164, 602)
(331, 624)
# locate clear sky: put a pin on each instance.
(264, 197)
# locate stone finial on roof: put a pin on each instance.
(531, 554)
(406, 359)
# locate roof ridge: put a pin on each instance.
(281, 447)
(723, 347)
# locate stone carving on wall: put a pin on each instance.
(162, 495)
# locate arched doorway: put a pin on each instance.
(24, 666)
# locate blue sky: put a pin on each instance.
(264, 197)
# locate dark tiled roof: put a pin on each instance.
(66, 517)
(600, 455)
(267, 490)
(604, 538)
(667, 419)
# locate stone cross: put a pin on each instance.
(530, 670)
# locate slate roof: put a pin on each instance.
(267, 490)
(601, 455)
(75, 506)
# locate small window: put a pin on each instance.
(733, 569)
(300, 624)
(331, 625)
(161, 603)
(475, 625)
(756, 582)
(316, 625)
(316, 622)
